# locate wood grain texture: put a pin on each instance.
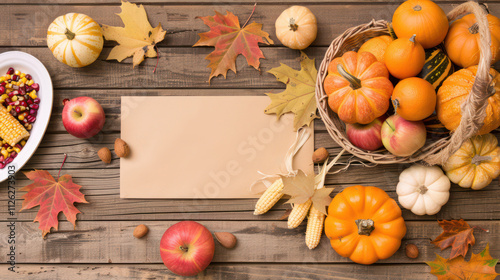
(258, 241)
(27, 24)
(220, 271)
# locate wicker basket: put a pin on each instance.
(438, 149)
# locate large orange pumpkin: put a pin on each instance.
(364, 224)
(358, 87)
(454, 92)
(462, 41)
(423, 18)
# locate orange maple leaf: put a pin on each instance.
(479, 267)
(53, 197)
(230, 40)
(457, 234)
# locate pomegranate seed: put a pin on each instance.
(36, 100)
(18, 146)
(10, 71)
(32, 112)
(15, 78)
(28, 76)
(22, 91)
(13, 155)
(35, 86)
(5, 145)
(8, 100)
(11, 94)
(2, 165)
(1, 158)
(2, 89)
(30, 101)
(3, 84)
(18, 110)
(28, 89)
(9, 160)
(33, 119)
(23, 103)
(34, 106)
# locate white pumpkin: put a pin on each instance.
(296, 27)
(423, 189)
(75, 39)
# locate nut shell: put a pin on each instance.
(411, 251)
(121, 148)
(104, 154)
(226, 239)
(140, 231)
(320, 155)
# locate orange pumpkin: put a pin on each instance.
(454, 92)
(377, 46)
(364, 224)
(358, 87)
(414, 99)
(462, 41)
(405, 57)
(421, 17)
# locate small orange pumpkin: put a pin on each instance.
(405, 57)
(462, 41)
(414, 99)
(421, 17)
(454, 92)
(377, 46)
(358, 87)
(364, 224)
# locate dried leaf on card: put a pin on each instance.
(479, 267)
(299, 96)
(138, 38)
(230, 40)
(301, 188)
(456, 234)
(53, 197)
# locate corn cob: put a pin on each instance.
(298, 214)
(11, 129)
(314, 227)
(272, 195)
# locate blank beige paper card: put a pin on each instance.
(203, 147)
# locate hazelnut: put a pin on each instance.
(411, 251)
(140, 231)
(320, 155)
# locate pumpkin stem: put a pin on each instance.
(474, 29)
(70, 35)
(417, 8)
(293, 26)
(422, 189)
(365, 227)
(355, 82)
(412, 39)
(477, 159)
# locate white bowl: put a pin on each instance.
(29, 64)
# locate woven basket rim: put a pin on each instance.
(335, 126)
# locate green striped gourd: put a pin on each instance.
(437, 67)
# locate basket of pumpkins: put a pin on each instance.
(414, 90)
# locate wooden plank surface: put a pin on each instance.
(258, 242)
(311, 271)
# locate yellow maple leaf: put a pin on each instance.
(138, 38)
(298, 98)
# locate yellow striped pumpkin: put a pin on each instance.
(75, 39)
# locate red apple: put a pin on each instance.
(187, 248)
(366, 136)
(402, 137)
(83, 117)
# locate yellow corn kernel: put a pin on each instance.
(23, 143)
(30, 82)
(9, 85)
(10, 129)
(17, 149)
(20, 117)
(298, 214)
(24, 80)
(2, 79)
(17, 72)
(4, 153)
(8, 77)
(14, 98)
(22, 75)
(9, 108)
(10, 149)
(33, 94)
(13, 83)
(272, 195)
(314, 228)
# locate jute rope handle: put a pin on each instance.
(474, 107)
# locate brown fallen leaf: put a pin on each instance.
(456, 234)
(285, 214)
(138, 38)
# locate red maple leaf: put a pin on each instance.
(53, 197)
(456, 234)
(230, 40)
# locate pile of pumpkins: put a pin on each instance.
(421, 55)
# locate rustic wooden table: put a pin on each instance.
(102, 246)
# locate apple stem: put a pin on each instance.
(389, 125)
(64, 160)
(184, 249)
